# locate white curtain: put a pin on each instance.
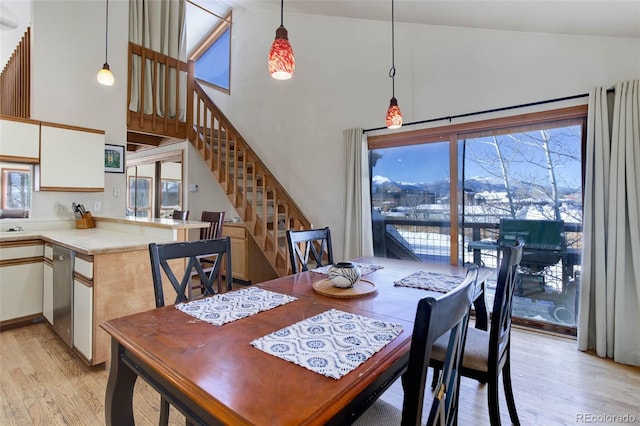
(158, 25)
(609, 313)
(358, 240)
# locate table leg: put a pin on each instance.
(119, 397)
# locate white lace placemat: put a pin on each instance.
(365, 268)
(226, 307)
(433, 281)
(331, 343)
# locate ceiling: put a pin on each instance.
(614, 18)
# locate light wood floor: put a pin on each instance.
(43, 383)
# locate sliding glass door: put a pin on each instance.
(455, 194)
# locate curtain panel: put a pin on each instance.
(158, 25)
(609, 312)
(358, 238)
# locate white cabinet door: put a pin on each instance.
(47, 292)
(83, 318)
(71, 159)
(19, 140)
(21, 279)
(20, 290)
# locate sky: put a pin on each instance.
(430, 162)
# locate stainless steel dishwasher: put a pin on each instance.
(63, 263)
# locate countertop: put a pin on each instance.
(87, 241)
(100, 241)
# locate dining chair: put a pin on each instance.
(314, 242)
(213, 231)
(180, 215)
(488, 353)
(435, 317)
(192, 251)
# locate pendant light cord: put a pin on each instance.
(282, 13)
(392, 71)
(106, 34)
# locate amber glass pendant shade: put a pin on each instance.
(394, 116)
(281, 60)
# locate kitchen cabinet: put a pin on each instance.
(83, 317)
(111, 275)
(21, 273)
(83, 306)
(47, 284)
(243, 249)
(19, 140)
(58, 143)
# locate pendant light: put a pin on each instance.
(394, 116)
(281, 60)
(105, 76)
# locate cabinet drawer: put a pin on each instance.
(84, 267)
(22, 251)
(48, 252)
(234, 231)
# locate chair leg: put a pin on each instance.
(493, 401)
(164, 412)
(508, 392)
(436, 376)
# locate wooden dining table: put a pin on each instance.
(213, 375)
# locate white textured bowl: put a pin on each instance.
(344, 274)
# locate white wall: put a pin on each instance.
(68, 50)
(341, 81)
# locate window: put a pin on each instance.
(139, 199)
(155, 184)
(171, 195)
(441, 195)
(213, 58)
(16, 186)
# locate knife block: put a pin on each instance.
(86, 221)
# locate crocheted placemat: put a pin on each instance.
(332, 343)
(433, 281)
(226, 307)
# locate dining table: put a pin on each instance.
(215, 374)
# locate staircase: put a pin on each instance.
(263, 204)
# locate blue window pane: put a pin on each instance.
(213, 65)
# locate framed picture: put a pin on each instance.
(113, 158)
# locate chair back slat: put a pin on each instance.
(434, 318)
(215, 250)
(216, 222)
(500, 331)
(306, 245)
(180, 215)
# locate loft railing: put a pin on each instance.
(157, 94)
(266, 208)
(15, 81)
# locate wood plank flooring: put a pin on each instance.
(43, 383)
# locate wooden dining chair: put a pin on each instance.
(488, 353)
(192, 251)
(306, 243)
(180, 215)
(213, 231)
(435, 317)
